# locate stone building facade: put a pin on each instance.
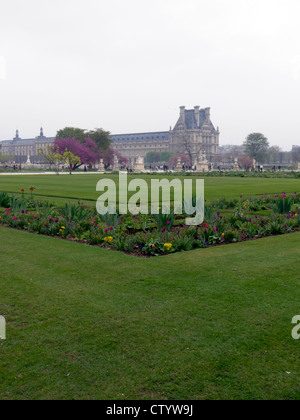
(137, 145)
(21, 149)
(193, 135)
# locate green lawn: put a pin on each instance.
(83, 187)
(89, 323)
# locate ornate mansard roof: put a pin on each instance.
(190, 121)
(18, 141)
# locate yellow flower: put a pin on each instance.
(223, 234)
(168, 246)
(108, 239)
(63, 227)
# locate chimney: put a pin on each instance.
(197, 115)
(207, 114)
(182, 113)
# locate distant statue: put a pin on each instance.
(236, 165)
(203, 157)
(202, 163)
(179, 164)
(101, 166)
(140, 160)
(139, 166)
(116, 166)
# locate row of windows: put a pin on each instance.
(139, 146)
(141, 138)
(21, 150)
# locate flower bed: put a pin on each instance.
(226, 221)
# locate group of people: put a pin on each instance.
(165, 168)
(274, 168)
(16, 167)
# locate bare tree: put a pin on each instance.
(193, 149)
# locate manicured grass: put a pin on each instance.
(94, 324)
(58, 189)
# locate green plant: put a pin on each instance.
(110, 220)
(74, 213)
(251, 231)
(283, 205)
(17, 205)
(130, 225)
(165, 221)
(153, 247)
(145, 221)
(4, 199)
(230, 236)
(183, 243)
(31, 189)
(121, 242)
(276, 227)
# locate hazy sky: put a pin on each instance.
(127, 65)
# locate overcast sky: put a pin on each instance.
(127, 65)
